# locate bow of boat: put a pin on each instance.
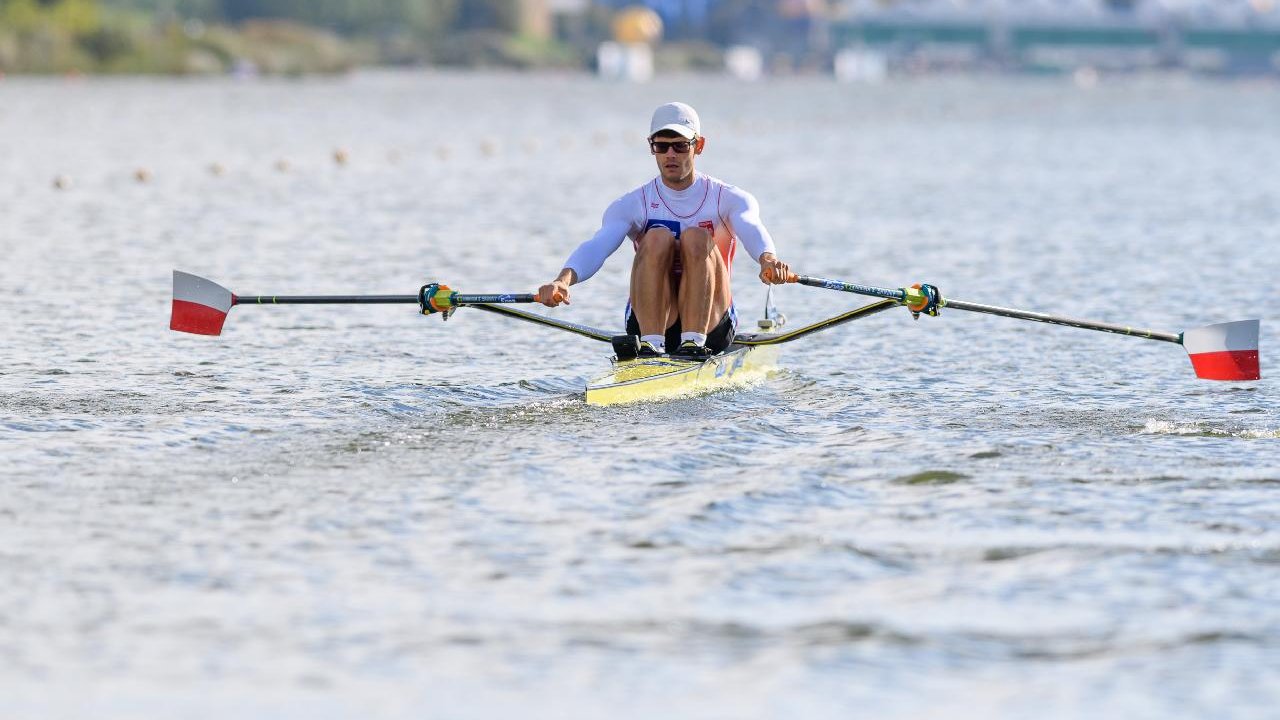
(664, 378)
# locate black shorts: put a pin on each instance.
(720, 337)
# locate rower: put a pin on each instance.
(684, 226)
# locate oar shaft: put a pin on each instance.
(1059, 320)
(375, 299)
(326, 299)
(901, 296)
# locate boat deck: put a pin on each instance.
(663, 378)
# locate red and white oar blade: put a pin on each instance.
(200, 306)
(1226, 351)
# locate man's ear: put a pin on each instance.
(701, 143)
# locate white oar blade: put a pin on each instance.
(1226, 351)
(200, 306)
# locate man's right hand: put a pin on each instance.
(554, 293)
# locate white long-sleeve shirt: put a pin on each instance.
(727, 212)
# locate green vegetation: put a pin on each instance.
(269, 36)
(69, 36)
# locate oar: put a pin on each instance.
(1225, 351)
(200, 306)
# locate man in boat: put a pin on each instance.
(685, 227)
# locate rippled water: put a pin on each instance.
(336, 512)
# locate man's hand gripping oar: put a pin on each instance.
(1225, 351)
(556, 292)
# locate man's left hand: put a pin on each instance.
(773, 271)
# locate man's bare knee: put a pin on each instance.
(657, 241)
(696, 244)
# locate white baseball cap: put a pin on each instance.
(678, 118)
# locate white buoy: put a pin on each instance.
(1086, 77)
(861, 65)
(744, 62)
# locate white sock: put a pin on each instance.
(659, 342)
(698, 338)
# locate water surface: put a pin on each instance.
(337, 511)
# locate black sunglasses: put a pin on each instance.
(660, 147)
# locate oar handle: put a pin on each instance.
(900, 295)
(495, 299)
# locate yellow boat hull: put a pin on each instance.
(649, 379)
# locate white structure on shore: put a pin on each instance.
(630, 56)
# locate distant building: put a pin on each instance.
(1229, 36)
(1211, 35)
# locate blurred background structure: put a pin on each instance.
(854, 38)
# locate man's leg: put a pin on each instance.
(704, 286)
(652, 295)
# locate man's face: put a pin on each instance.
(675, 155)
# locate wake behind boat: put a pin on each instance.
(1225, 351)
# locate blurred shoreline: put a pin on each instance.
(121, 37)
